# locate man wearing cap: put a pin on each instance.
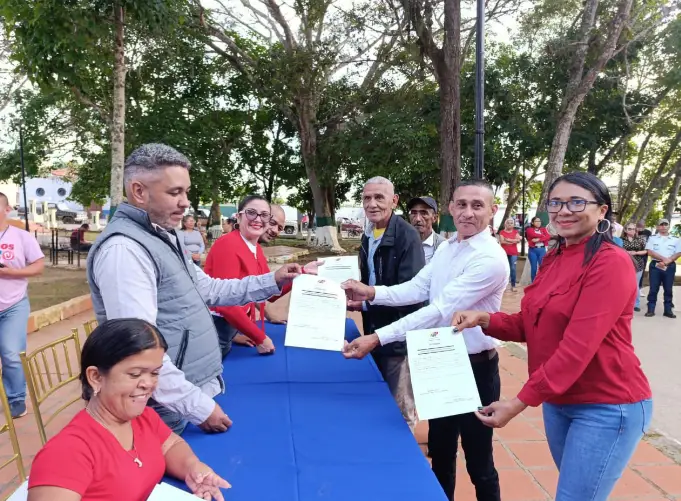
(422, 215)
(663, 250)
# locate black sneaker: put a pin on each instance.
(669, 314)
(637, 308)
(650, 313)
(17, 409)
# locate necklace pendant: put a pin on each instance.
(138, 462)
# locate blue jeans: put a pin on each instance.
(174, 420)
(591, 445)
(226, 334)
(512, 260)
(13, 322)
(536, 256)
(658, 277)
(639, 276)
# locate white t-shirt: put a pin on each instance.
(253, 248)
(429, 247)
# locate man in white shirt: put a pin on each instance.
(664, 250)
(422, 214)
(468, 270)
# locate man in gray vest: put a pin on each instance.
(137, 268)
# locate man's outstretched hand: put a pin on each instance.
(361, 346)
(217, 422)
(287, 273)
(357, 291)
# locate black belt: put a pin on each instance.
(484, 356)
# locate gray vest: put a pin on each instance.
(183, 317)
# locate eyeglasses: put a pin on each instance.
(274, 224)
(252, 215)
(574, 205)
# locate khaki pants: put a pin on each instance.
(395, 371)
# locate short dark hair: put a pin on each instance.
(4, 197)
(248, 199)
(153, 156)
(474, 182)
(184, 220)
(600, 192)
(112, 342)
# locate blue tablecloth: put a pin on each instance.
(296, 365)
(310, 425)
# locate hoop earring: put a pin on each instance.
(605, 230)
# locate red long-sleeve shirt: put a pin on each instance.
(576, 321)
(541, 233)
(230, 257)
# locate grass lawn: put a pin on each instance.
(55, 286)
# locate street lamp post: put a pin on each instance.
(23, 172)
(522, 217)
(480, 91)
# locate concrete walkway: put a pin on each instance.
(522, 456)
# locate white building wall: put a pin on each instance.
(12, 191)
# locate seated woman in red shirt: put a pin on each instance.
(576, 321)
(117, 448)
(237, 255)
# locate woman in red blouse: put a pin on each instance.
(237, 255)
(537, 240)
(576, 321)
(117, 448)
(509, 238)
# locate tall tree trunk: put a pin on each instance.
(118, 115)
(322, 195)
(215, 213)
(625, 195)
(513, 196)
(580, 83)
(591, 167)
(658, 182)
(448, 73)
(673, 195)
(637, 121)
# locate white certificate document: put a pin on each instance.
(441, 373)
(166, 492)
(316, 316)
(339, 268)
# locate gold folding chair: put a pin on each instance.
(44, 375)
(89, 327)
(8, 427)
